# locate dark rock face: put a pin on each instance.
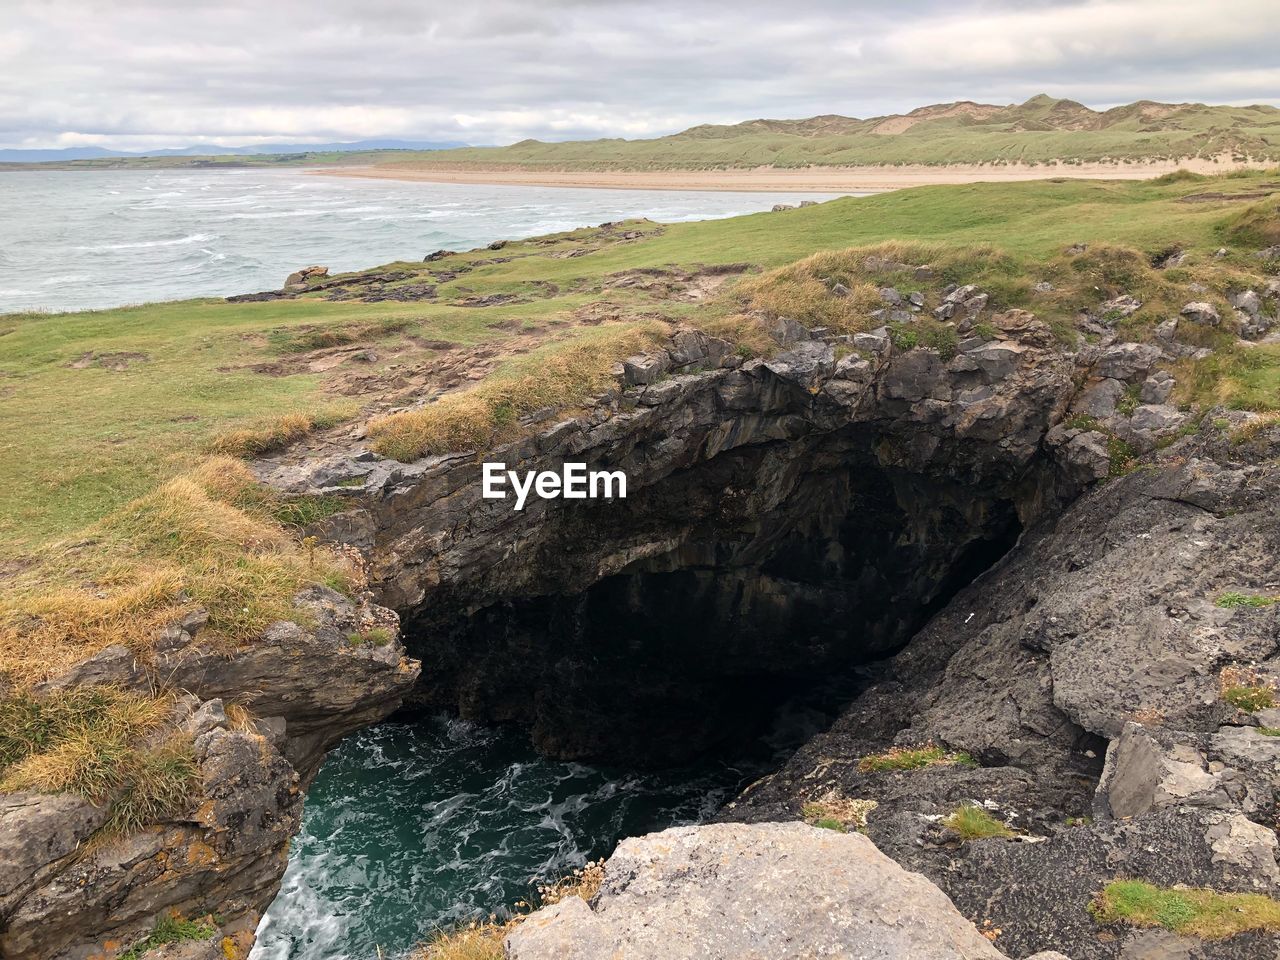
(783, 516)
(1101, 626)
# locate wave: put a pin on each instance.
(147, 244)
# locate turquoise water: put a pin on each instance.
(412, 827)
(77, 240)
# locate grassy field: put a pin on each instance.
(1041, 130)
(85, 432)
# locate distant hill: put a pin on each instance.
(262, 149)
(1040, 130)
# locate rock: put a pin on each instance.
(808, 203)
(437, 255)
(876, 341)
(37, 831)
(1149, 769)
(890, 296)
(1076, 249)
(1247, 301)
(1203, 313)
(804, 364)
(786, 331)
(733, 892)
(497, 244)
(779, 207)
(1044, 286)
(644, 369)
(1099, 398)
(1150, 422)
(1088, 454)
(1118, 308)
(840, 290)
(299, 279)
(1157, 387)
(916, 298)
(1129, 362)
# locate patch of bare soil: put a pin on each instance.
(108, 361)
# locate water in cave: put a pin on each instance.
(410, 827)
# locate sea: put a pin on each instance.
(86, 240)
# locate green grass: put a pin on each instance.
(1250, 699)
(1234, 599)
(1200, 913)
(914, 758)
(974, 823)
(171, 929)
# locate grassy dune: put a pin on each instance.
(1039, 131)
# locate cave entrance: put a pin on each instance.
(785, 567)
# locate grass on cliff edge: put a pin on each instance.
(80, 437)
(1188, 912)
(107, 746)
(208, 538)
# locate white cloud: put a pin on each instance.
(150, 73)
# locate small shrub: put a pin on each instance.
(1269, 731)
(1129, 400)
(1188, 912)
(1124, 459)
(914, 758)
(374, 637)
(974, 823)
(304, 511)
(171, 928)
(1246, 689)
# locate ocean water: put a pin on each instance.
(412, 827)
(81, 240)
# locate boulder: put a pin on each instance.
(779, 207)
(300, 278)
(752, 892)
(1129, 362)
(1203, 313)
(1157, 387)
(644, 369)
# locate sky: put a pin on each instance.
(147, 74)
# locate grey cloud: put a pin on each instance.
(144, 73)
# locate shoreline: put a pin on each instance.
(774, 180)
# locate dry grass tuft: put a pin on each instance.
(914, 758)
(105, 745)
(561, 376)
(276, 433)
(835, 808)
(204, 539)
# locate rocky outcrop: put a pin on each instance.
(738, 892)
(1100, 635)
(72, 892)
(831, 496)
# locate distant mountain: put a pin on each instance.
(208, 150)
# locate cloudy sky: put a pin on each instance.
(142, 74)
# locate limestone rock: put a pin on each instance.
(299, 279)
(761, 892)
(1203, 313)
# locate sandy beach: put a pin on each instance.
(803, 180)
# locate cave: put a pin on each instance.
(767, 569)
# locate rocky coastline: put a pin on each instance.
(1043, 563)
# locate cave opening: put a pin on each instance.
(782, 571)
